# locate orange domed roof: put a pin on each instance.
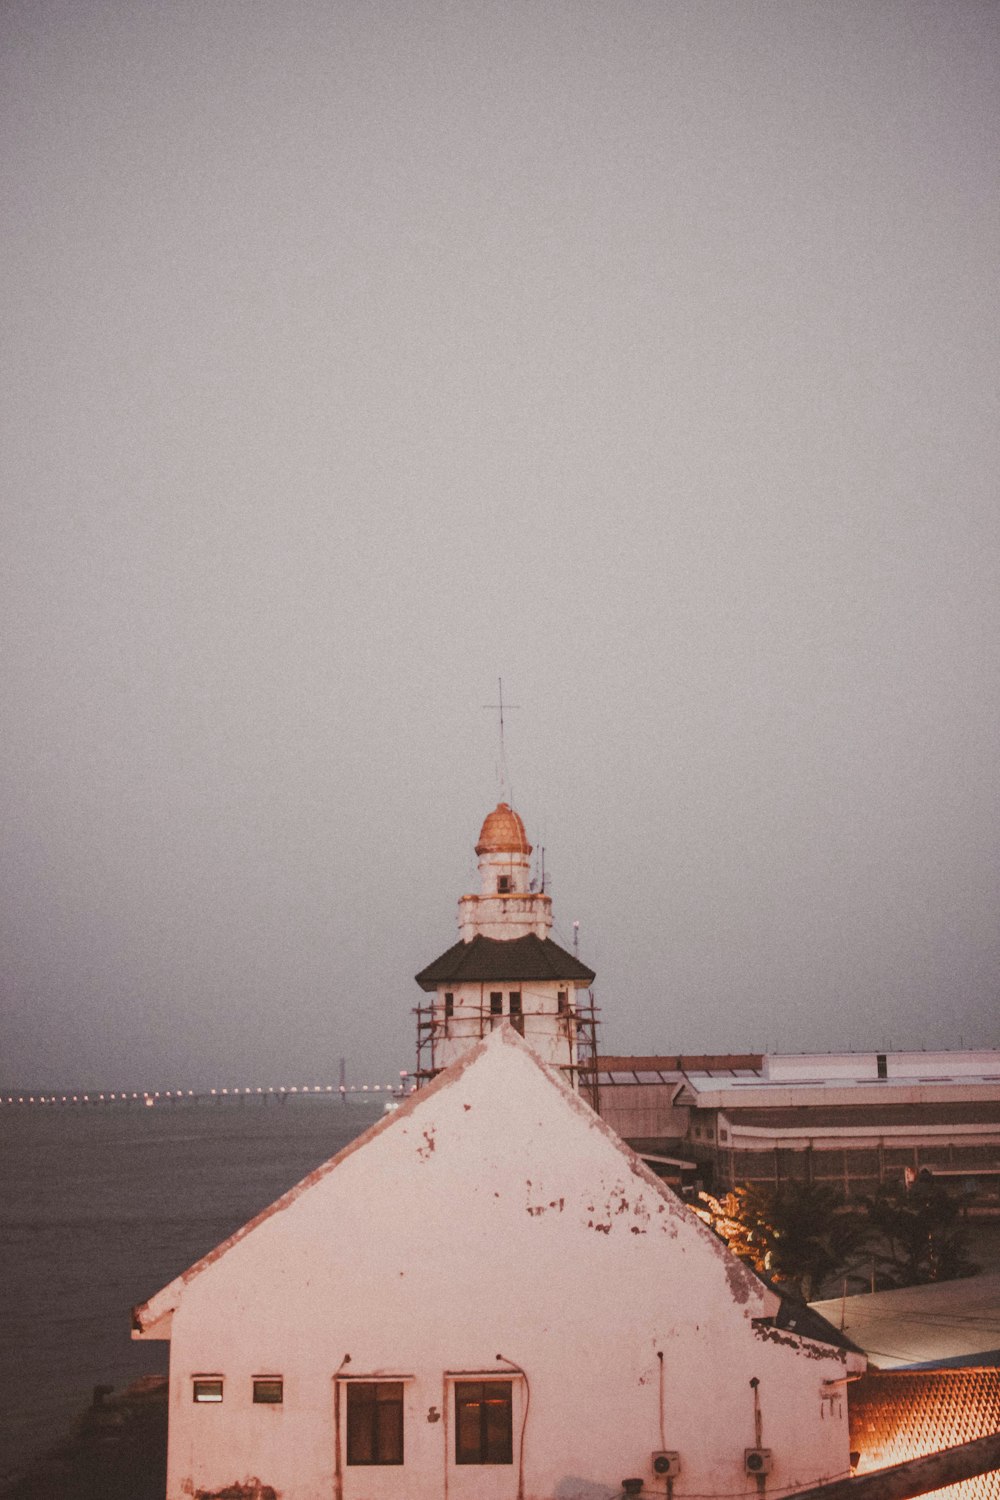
(503, 833)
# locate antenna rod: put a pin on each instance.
(499, 708)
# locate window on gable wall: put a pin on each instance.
(516, 1015)
(484, 1425)
(207, 1389)
(563, 1002)
(449, 1003)
(268, 1390)
(496, 1003)
(375, 1422)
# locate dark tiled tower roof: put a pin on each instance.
(485, 959)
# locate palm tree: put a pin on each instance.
(801, 1234)
(920, 1234)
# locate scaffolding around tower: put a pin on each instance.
(580, 1023)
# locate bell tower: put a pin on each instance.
(504, 907)
(504, 967)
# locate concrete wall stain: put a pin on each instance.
(771, 1335)
(251, 1489)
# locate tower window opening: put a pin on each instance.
(496, 1003)
(516, 1014)
(503, 885)
(449, 1003)
(563, 998)
(882, 1064)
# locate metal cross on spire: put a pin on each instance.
(500, 708)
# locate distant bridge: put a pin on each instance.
(353, 1093)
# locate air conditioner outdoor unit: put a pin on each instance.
(757, 1460)
(667, 1464)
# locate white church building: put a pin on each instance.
(489, 1297)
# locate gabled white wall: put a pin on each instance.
(494, 1214)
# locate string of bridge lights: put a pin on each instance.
(150, 1097)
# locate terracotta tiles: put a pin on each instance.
(900, 1414)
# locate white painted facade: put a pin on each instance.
(824, 1079)
(548, 1018)
(833, 1068)
(493, 1229)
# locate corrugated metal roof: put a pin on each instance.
(683, 1063)
(919, 1325)
(522, 958)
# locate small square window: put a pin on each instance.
(207, 1388)
(503, 885)
(268, 1390)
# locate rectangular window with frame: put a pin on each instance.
(496, 1002)
(268, 1390)
(206, 1389)
(516, 1014)
(449, 1003)
(563, 1002)
(484, 1422)
(375, 1422)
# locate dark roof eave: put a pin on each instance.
(485, 959)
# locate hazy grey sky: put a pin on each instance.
(357, 353)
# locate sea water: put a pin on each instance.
(102, 1205)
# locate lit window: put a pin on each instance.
(268, 1390)
(375, 1422)
(207, 1388)
(484, 1426)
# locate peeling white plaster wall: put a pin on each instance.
(493, 1214)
